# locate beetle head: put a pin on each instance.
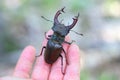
(61, 28)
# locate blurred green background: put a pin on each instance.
(21, 25)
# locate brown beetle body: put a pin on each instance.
(54, 47)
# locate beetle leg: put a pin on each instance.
(62, 64)
(69, 42)
(65, 56)
(47, 37)
(41, 51)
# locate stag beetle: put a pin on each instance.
(54, 46)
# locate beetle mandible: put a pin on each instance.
(54, 47)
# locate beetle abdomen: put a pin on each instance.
(52, 52)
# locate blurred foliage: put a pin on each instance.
(107, 76)
(81, 5)
(112, 8)
(85, 75)
(10, 44)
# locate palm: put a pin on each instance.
(42, 71)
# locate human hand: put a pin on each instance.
(25, 70)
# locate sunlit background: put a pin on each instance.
(21, 25)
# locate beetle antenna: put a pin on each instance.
(76, 32)
(46, 19)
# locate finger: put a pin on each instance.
(57, 68)
(41, 69)
(24, 65)
(56, 73)
(12, 78)
(73, 69)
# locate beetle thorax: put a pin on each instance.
(56, 37)
(61, 29)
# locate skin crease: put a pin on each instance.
(24, 69)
